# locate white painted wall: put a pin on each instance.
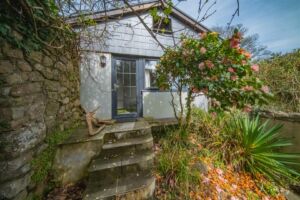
(158, 104)
(96, 92)
(128, 36)
(95, 87)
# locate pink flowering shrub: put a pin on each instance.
(221, 69)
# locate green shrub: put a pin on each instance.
(259, 146)
(282, 74)
(246, 144)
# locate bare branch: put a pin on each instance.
(144, 24)
(236, 12)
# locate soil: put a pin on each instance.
(73, 192)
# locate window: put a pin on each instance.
(150, 75)
(162, 25)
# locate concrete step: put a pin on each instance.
(128, 142)
(120, 160)
(132, 186)
(126, 134)
(126, 150)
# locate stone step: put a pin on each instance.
(103, 163)
(126, 134)
(132, 186)
(128, 142)
(125, 150)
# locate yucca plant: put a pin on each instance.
(260, 144)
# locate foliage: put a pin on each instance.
(42, 164)
(282, 74)
(174, 172)
(218, 68)
(249, 42)
(259, 144)
(189, 170)
(34, 24)
(247, 144)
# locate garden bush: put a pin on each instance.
(218, 68)
(248, 144)
(211, 162)
(282, 74)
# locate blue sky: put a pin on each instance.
(276, 21)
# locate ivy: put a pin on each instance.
(33, 24)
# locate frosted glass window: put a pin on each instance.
(150, 75)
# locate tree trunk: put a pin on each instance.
(189, 108)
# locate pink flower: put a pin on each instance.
(231, 70)
(209, 64)
(233, 78)
(234, 186)
(255, 68)
(265, 89)
(219, 171)
(234, 43)
(201, 66)
(206, 180)
(247, 54)
(247, 88)
(222, 179)
(219, 190)
(202, 50)
(244, 62)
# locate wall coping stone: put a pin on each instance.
(285, 116)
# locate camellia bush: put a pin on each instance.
(218, 68)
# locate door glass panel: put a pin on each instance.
(126, 90)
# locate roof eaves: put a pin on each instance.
(112, 14)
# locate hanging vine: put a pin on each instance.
(34, 24)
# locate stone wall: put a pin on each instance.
(280, 115)
(38, 93)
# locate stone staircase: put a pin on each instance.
(123, 168)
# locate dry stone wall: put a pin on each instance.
(38, 93)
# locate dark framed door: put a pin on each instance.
(126, 88)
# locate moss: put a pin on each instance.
(42, 164)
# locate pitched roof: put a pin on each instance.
(116, 13)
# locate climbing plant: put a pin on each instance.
(218, 68)
(34, 24)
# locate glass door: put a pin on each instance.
(125, 88)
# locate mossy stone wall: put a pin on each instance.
(39, 92)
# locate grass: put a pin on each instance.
(173, 167)
(42, 164)
(209, 161)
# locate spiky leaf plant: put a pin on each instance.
(260, 144)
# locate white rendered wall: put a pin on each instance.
(158, 104)
(95, 87)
